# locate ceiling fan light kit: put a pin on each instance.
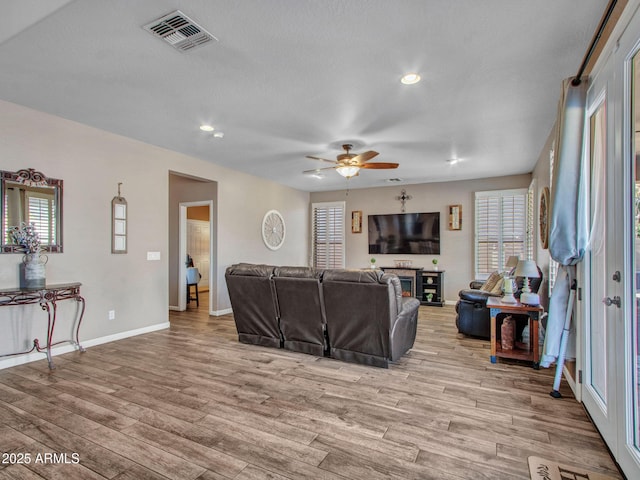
(349, 164)
(348, 171)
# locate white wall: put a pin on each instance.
(456, 246)
(92, 162)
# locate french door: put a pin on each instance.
(599, 390)
(611, 388)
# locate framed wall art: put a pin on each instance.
(455, 217)
(356, 221)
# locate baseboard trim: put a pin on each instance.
(60, 349)
(218, 313)
(174, 308)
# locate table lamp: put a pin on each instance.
(528, 269)
(507, 286)
(511, 263)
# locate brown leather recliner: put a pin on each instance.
(302, 317)
(254, 308)
(368, 319)
(353, 315)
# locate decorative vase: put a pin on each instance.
(32, 271)
(507, 333)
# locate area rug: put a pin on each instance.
(541, 469)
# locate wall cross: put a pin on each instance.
(403, 197)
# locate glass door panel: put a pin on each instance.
(632, 359)
(597, 358)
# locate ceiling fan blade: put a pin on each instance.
(321, 159)
(379, 165)
(364, 157)
(319, 169)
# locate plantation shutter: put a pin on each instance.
(553, 265)
(501, 229)
(327, 231)
(531, 216)
(31, 206)
(41, 213)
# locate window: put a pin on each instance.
(41, 213)
(500, 229)
(39, 209)
(553, 265)
(531, 216)
(327, 232)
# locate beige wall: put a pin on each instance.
(92, 162)
(542, 176)
(456, 251)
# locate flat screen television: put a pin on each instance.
(405, 233)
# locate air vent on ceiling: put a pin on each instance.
(180, 31)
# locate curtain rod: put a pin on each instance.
(603, 23)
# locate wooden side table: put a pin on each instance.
(520, 351)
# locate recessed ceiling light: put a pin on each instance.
(410, 78)
(453, 161)
(206, 128)
(218, 134)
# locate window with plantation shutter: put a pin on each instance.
(500, 229)
(38, 208)
(327, 232)
(41, 213)
(553, 265)
(531, 216)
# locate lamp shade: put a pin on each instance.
(512, 261)
(527, 268)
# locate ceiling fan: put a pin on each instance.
(349, 164)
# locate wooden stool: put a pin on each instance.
(193, 277)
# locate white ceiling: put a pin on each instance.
(290, 78)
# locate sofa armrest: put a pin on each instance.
(475, 296)
(476, 284)
(403, 329)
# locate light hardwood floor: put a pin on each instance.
(191, 402)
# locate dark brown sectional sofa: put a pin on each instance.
(356, 316)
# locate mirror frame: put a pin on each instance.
(31, 177)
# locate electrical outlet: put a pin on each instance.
(112, 314)
(153, 255)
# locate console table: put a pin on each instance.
(48, 298)
(520, 351)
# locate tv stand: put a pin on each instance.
(419, 283)
(432, 288)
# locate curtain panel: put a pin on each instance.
(567, 237)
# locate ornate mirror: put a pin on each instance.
(31, 197)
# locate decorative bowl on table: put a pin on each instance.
(402, 263)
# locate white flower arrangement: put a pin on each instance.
(26, 237)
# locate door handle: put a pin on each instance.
(612, 301)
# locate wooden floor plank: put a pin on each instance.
(191, 402)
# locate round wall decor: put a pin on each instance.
(273, 229)
(544, 217)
